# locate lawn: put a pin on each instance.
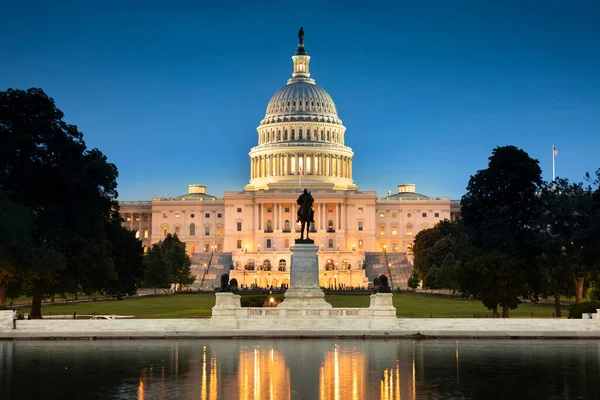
(188, 305)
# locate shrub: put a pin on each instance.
(257, 300)
(576, 310)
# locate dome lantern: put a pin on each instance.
(301, 60)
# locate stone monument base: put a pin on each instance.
(304, 291)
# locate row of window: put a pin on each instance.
(137, 219)
(315, 135)
(206, 215)
(192, 230)
(408, 215)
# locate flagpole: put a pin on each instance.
(553, 168)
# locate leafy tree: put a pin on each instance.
(413, 280)
(69, 191)
(167, 263)
(127, 256)
(499, 211)
(15, 242)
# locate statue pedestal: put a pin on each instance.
(304, 290)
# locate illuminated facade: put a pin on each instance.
(248, 233)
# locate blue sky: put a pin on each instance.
(172, 91)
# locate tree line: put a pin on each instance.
(60, 228)
(519, 238)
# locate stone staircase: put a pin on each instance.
(217, 264)
(400, 269)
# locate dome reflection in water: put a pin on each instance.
(300, 369)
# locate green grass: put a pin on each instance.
(412, 305)
(170, 306)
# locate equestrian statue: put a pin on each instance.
(305, 215)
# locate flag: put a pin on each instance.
(554, 151)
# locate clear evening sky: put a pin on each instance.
(172, 91)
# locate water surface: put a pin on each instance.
(300, 369)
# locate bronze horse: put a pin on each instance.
(305, 212)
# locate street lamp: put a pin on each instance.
(255, 281)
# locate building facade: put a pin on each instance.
(248, 233)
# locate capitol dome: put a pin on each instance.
(301, 99)
(301, 138)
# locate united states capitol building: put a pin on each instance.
(248, 233)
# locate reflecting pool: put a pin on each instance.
(300, 369)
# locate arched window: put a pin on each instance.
(285, 137)
(249, 265)
(192, 248)
(266, 265)
(278, 135)
(409, 228)
(282, 265)
(192, 229)
(293, 134)
(165, 230)
(330, 225)
(329, 265)
(286, 226)
(346, 264)
(269, 226)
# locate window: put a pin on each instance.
(219, 215)
(409, 229)
(269, 226)
(329, 265)
(409, 215)
(330, 243)
(381, 215)
(360, 243)
(192, 215)
(269, 243)
(239, 210)
(346, 264)
(192, 229)
(165, 215)
(394, 215)
(424, 215)
(286, 209)
(330, 225)
(146, 218)
(207, 215)
(165, 231)
(219, 231)
(137, 234)
(360, 209)
(394, 231)
(282, 265)
(437, 215)
(207, 231)
(206, 247)
(239, 226)
(286, 226)
(239, 244)
(266, 265)
(128, 219)
(137, 219)
(360, 226)
(145, 233)
(249, 265)
(177, 230)
(192, 248)
(177, 215)
(394, 246)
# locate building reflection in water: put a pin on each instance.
(262, 374)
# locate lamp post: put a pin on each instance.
(389, 265)
(255, 281)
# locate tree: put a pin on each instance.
(15, 242)
(127, 256)
(499, 211)
(70, 193)
(167, 263)
(413, 280)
